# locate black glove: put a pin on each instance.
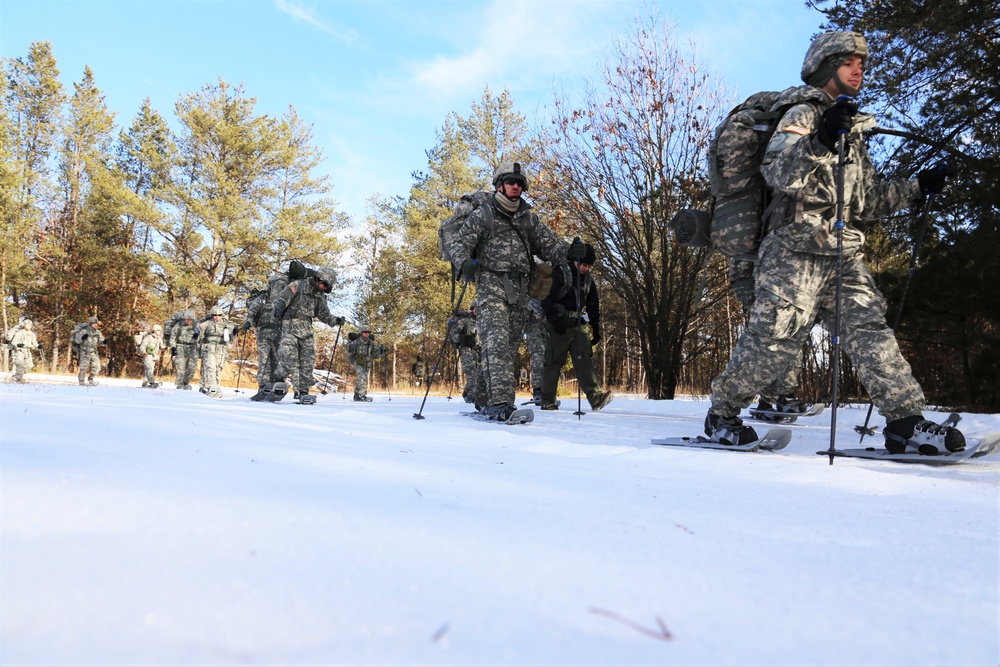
(339, 321)
(173, 352)
(469, 269)
(596, 329)
(577, 251)
(20, 344)
(835, 121)
(84, 336)
(932, 180)
(560, 325)
(246, 326)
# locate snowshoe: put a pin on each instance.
(362, 399)
(601, 400)
(728, 430)
(550, 405)
(276, 392)
(213, 392)
(261, 393)
(304, 398)
(916, 435)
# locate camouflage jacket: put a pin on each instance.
(302, 304)
(214, 334)
(260, 311)
(798, 166)
(151, 343)
(463, 332)
(505, 249)
(88, 338)
(184, 334)
(21, 336)
(360, 351)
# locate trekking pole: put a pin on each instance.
(865, 430)
(437, 362)
(579, 330)
(329, 367)
(835, 335)
(454, 374)
(239, 374)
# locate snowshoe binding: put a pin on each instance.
(275, 392)
(916, 435)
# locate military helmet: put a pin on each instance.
(26, 324)
(366, 327)
(92, 319)
(512, 169)
(157, 327)
(474, 304)
(828, 51)
(216, 310)
(188, 314)
(327, 275)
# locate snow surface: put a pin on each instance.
(164, 527)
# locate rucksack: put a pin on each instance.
(137, 341)
(77, 328)
(450, 226)
(172, 322)
(742, 201)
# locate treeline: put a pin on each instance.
(133, 224)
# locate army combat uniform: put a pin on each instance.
(535, 335)
(465, 339)
(260, 316)
(151, 345)
(22, 342)
(88, 339)
(360, 352)
(184, 346)
(301, 302)
(213, 338)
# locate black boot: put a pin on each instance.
(729, 430)
(916, 434)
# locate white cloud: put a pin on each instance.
(308, 15)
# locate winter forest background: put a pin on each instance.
(135, 221)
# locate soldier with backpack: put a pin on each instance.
(149, 346)
(496, 247)
(800, 260)
(536, 336)
(573, 295)
(213, 337)
(465, 339)
(22, 342)
(361, 349)
(260, 316)
(87, 339)
(183, 343)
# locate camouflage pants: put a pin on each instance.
(361, 383)
(501, 327)
(149, 367)
(576, 343)
(782, 386)
(90, 365)
(213, 358)
(792, 290)
(296, 359)
(22, 362)
(267, 355)
(185, 363)
(470, 369)
(536, 334)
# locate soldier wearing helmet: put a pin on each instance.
(295, 309)
(214, 334)
(149, 347)
(260, 316)
(22, 342)
(88, 339)
(183, 344)
(360, 352)
(797, 264)
(496, 246)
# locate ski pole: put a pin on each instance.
(865, 430)
(835, 334)
(329, 367)
(239, 374)
(451, 322)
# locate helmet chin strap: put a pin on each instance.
(843, 87)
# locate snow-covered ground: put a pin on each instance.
(164, 527)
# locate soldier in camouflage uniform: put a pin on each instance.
(88, 339)
(360, 352)
(573, 295)
(260, 316)
(796, 274)
(495, 247)
(213, 336)
(150, 345)
(465, 339)
(301, 302)
(183, 345)
(535, 336)
(22, 342)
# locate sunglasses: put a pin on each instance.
(513, 180)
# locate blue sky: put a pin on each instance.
(377, 78)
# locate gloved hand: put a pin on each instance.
(560, 325)
(469, 269)
(173, 352)
(835, 121)
(932, 180)
(84, 336)
(20, 344)
(246, 326)
(577, 250)
(339, 321)
(596, 329)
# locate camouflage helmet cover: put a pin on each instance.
(326, 274)
(157, 327)
(510, 169)
(26, 324)
(188, 314)
(215, 310)
(831, 46)
(366, 327)
(92, 319)
(473, 305)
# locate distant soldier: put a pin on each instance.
(260, 316)
(360, 352)
(21, 340)
(184, 348)
(535, 335)
(213, 336)
(466, 340)
(301, 302)
(88, 339)
(496, 247)
(418, 371)
(573, 296)
(150, 345)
